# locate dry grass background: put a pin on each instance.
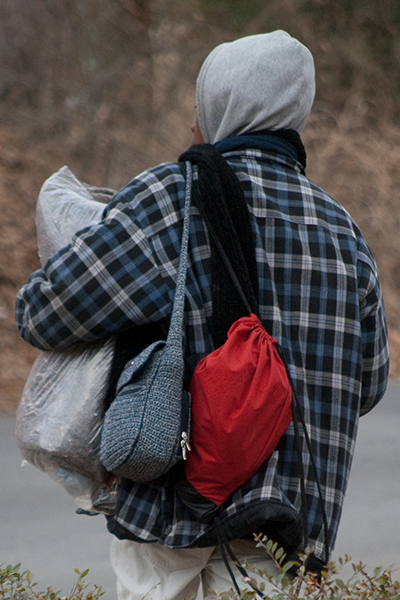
(106, 86)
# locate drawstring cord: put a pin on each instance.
(224, 546)
(298, 412)
(297, 415)
(303, 507)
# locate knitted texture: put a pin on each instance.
(142, 428)
(140, 437)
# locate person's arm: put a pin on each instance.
(112, 276)
(375, 347)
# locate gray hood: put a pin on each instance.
(258, 82)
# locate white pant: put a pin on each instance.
(155, 572)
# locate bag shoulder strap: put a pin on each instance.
(176, 323)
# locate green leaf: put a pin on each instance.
(289, 565)
(285, 581)
(377, 571)
(340, 584)
(84, 573)
(279, 553)
(268, 574)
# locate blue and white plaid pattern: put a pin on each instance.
(319, 296)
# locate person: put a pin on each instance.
(319, 296)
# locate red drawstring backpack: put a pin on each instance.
(241, 406)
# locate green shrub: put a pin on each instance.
(305, 586)
(17, 585)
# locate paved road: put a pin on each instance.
(39, 527)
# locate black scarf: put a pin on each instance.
(219, 197)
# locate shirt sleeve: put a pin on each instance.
(375, 348)
(111, 276)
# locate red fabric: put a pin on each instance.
(241, 406)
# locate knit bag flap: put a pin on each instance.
(142, 428)
(241, 406)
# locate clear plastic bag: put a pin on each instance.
(60, 414)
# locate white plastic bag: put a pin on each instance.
(60, 413)
(65, 206)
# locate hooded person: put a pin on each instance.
(261, 82)
(318, 294)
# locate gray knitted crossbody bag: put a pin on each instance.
(146, 428)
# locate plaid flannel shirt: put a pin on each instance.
(319, 296)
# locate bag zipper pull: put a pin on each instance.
(185, 445)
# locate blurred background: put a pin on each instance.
(107, 88)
